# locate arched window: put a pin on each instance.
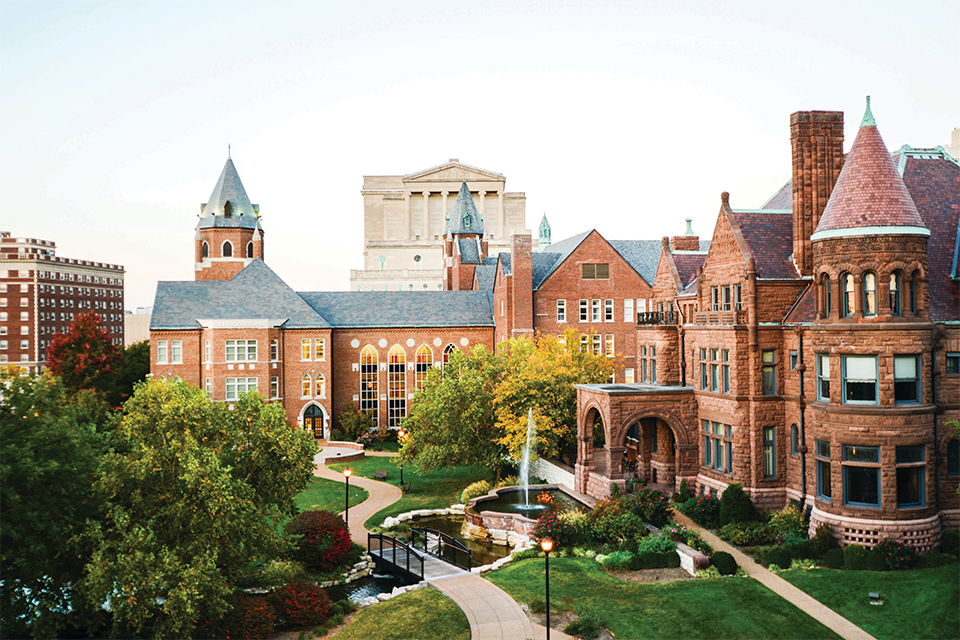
(896, 283)
(313, 420)
(396, 386)
(869, 293)
(369, 382)
(227, 209)
(825, 288)
(249, 249)
(794, 440)
(424, 360)
(205, 251)
(226, 250)
(914, 283)
(849, 294)
(305, 386)
(321, 386)
(447, 352)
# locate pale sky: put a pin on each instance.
(626, 117)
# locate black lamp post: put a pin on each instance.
(400, 436)
(346, 511)
(547, 545)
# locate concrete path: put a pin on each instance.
(381, 495)
(814, 608)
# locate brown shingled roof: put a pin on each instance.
(769, 236)
(687, 265)
(869, 191)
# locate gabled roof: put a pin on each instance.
(229, 189)
(642, 255)
(687, 263)
(782, 199)
(249, 295)
(769, 239)
(469, 250)
(486, 276)
(547, 262)
(803, 309)
(870, 196)
(455, 165)
(464, 218)
(397, 309)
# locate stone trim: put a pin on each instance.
(922, 534)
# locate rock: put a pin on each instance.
(383, 597)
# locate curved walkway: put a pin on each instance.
(813, 608)
(381, 495)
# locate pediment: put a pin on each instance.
(454, 172)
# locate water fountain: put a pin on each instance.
(525, 467)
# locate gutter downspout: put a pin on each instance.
(937, 333)
(802, 368)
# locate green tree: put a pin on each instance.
(195, 492)
(133, 367)
(84, 357)
(50, 447)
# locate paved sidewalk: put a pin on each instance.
(814, 608)
(381, 495)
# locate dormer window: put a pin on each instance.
(466, 222)
(227, 209)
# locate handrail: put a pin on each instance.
(445, 542)
(394, 543)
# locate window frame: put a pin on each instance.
(844, 359)
(176, 352)
(768, 372)
(896, 293)
(794, 439)
(584, 310)
(769, 452)
(869, 284)
(907, 468)
(370, 382)
(850, 466)
(561, 310)
(162, 356)
(821, 379)
(628, 314)
(396, 386)
(914, 383)
(822, 454)
(848, 295)
(608, 310)
(952, 363)
(236, 384)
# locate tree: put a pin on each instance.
(84, 357)
(50, 446)
(133, 367)
(193, 493)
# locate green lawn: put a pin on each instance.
(920, 603)
(707, 608)
(435, 490)
(325, 494)
(424, 614)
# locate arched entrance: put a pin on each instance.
(315, 421)
(650, 452)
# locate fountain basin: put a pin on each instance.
(496, 515)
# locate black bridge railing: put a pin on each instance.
(443, 546)
(387, 548)
(658, 317)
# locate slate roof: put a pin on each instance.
(769, 237)
(230, 189)
(642, 255)
(469, 250)
(803, 309)
(254, 293)
(486, 275)
(399, 309)
(869, 192)
(464, 217)
(782, 199)
(687, 265)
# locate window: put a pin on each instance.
(953, 458)
(226, 250)
(161, 352)
(369, 381)
(869, 293)
(849, 295)
(424, 360)
(597, 346)
(3, 302)
(205, 251)
(321, 386)
(249, 249)
(714, 370)
(769, 452)
(725, 368)
(628, 311)
(447, 352)
(794, 359)
(176, 352)
(653, 364)
(306, 386)
(608, 310)
(953, 362)
(906, 379)
(718, 446)
(737, 297)
(396, 386)
(860, 379)
(641, 305)
(823, 377)
(584, 343)
(911, 472)
(794, 440)
(561, 310)
(208, 386)
(241, 350)
(715, 298)
(704, 381)
(274, 349)
(25, 330)
(584, 311)
(595, 271)
(861, 475)
(769, 372)
(320, 349)
(238, 386)
(274, 387)
(608, 349)
(595, 311)
(24, 302)
(206, 351)
(822, 453)
(304, 348)
(896, 283)
(628, 376)
(3, 344)
(3, 316)
(914, 283)
(24, 316)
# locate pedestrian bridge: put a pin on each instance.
(437, 556)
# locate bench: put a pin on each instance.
(380, 474)
(405, 488)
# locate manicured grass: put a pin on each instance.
(708, 608)
(435, 490)
(424, 614)
(322, 494)
(920, 603)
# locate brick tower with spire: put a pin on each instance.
(464, 246)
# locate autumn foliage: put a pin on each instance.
(325, 541)
(85, 357)
(301, 604)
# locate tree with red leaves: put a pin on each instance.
(85, 357)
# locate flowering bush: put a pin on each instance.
(896, 555)
(789, 522)
(551, 525)
(301, 604)
(677, 532)
(704, 510)
(652, 505)
(324, 543)
(250, 617)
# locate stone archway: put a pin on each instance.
(313, 417)
(650, 452)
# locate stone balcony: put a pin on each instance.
(720, 317)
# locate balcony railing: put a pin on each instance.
(720, 317)
(658, 317)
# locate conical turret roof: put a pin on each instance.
(229, 189)
(464, 219)
(869, 197)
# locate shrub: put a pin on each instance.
(735, 506)
(280, 572)
(778, 557)
(615, 490)
(248, 617)
(324, 542)
(676, 531)
(895, 554)
(619, 561)
(301, 604)
(683, 494)
(934, 559)
(353, 423)
(823, 540)
(744, 534)
(950, 542)
(586, 625)
(704, 510)
(526, 554)
(695, 541)
(478, 488)
(550, 525)
(655, 560)
(618, 528)
(801, 550)
(652, 505)
(855, 557)
(789, 522)
(577, 520)
(833, 559)
(656, 544)
(537, 605)
(876, 560)
(724, 563)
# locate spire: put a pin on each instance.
(545, 231)
(464, 218)
(870, 197)
(228, 204)
(868, 120)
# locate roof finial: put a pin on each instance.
(868, 120)
(228, 151)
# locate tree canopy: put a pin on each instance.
(84, 357)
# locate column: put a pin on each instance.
(501, 224)
(406, 215)
(426, 215)
(482, 216)
(443, 210)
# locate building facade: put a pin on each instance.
(40, 293)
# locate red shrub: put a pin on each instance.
(251, 617)
(325, 543)
(301, 604)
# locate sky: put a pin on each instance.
(625, 117)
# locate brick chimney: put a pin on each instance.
(521, 270)
(688, 241)
(816, 141)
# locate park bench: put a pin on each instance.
(380, 474)
(405, 488)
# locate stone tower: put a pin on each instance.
(464, 246)
(228, 235)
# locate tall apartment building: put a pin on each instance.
(40, 293)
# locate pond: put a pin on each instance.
(372, 585)
(481, 553)
(511, 501)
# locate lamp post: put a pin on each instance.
(547, 545)
(400, 436)
(346, 512)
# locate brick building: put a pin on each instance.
(40, 293)
(813, 353)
